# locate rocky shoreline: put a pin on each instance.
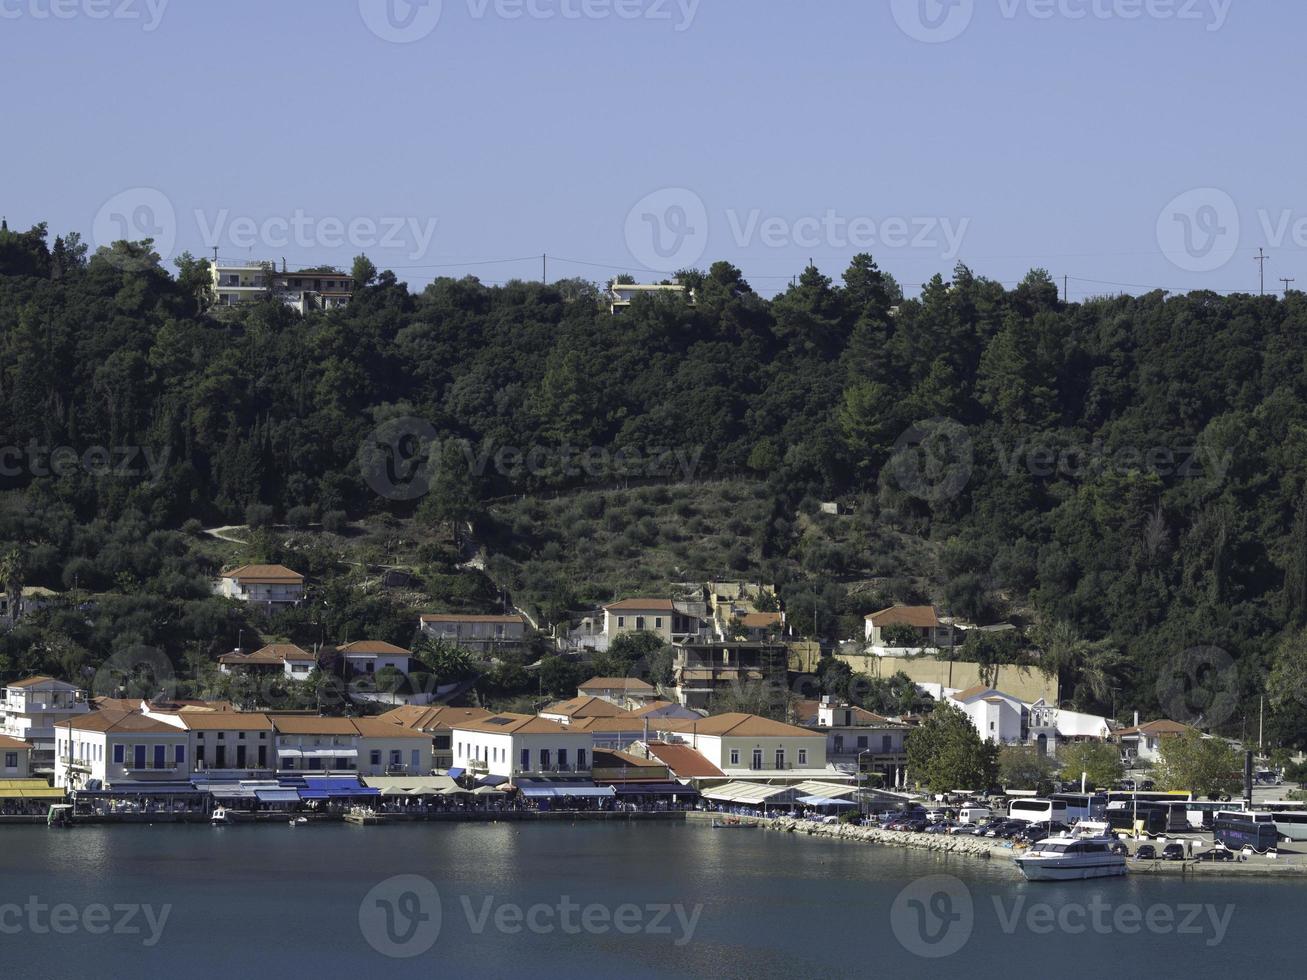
(940, 843)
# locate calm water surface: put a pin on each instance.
(272, 900)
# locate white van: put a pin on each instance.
(970, 816)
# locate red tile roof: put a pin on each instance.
(265, 575)
(918, 616)
(684, 761)
(641, 605)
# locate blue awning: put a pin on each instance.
(314, 794)
(537, 792)
(584, 791)
(456, 773)
(230, 792)
(491, 780)
(277, 795)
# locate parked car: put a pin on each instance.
(1217, 854)
(1146, 852)
(1173, 852)
(1118, 847)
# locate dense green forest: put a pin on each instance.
(1126, 475)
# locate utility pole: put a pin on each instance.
(1261, 260)
(544, 270)
(1066, 280)
(1287, 284)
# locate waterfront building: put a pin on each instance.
(565, 712)
(751, 747)
(109, 746)
(32, 708)
(513, 745)
(857, 740)
(438, 722)
(15, 758)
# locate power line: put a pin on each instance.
(1261, 261)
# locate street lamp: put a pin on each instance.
(857, 776)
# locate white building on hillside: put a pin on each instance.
(267, 585)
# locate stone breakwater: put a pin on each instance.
(980, 847)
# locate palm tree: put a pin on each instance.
(11, 578)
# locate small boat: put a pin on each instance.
(734, 824)
(1071, 859)
(219, 816)
(60, 815)
(298, 821)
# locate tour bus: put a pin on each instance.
(1037, 810)
(1201, 813)
(1149, 796)
(1237, 830)
(1083, 806)
(1290, 817)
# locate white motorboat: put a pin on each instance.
(219, 816)
(1071, 859)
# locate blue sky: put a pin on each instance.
(1135, 142)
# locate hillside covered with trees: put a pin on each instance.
(1126, 475)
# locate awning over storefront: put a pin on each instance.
(824, 801)
(277, 795)
(337, 753)
(492, 780)
(756, 794)
(338, 788)
(456, 773)
(654, 789)
(409, 785)
(228, 793)
(537, 788)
